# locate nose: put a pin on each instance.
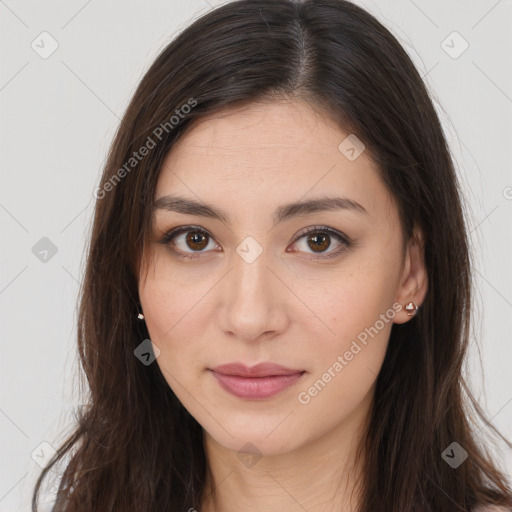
(253, 300)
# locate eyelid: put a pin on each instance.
(323, 229)
(341, 237)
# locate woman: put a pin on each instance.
(275, 311)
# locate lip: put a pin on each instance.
(258, 382)
(259, 370)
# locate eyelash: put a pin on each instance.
(343, 239)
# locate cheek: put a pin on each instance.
(357, 308)
(170, 297)
(166, 321)
(175, 311)
(346, 364)
(357, 303)
(351, 358)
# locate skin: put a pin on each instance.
(284, 307)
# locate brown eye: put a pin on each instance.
(318, 243)
(197, 240)
(188, 241)
(318, 239)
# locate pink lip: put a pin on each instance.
(257, 382)
(259, 370)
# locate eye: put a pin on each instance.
(318, 238)
(190, 237)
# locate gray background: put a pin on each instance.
(57, 120)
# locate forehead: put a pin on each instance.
(269, 154)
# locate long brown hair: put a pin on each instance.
(134, 446)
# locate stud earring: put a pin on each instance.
(140, 316)
(411, 308)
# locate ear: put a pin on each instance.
(413, 284)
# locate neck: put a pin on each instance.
(320, 476)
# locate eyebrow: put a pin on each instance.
(281, 214)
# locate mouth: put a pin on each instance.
(258, 382)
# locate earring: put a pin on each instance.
(140, 316)
(411, 308)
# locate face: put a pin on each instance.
(250, 281)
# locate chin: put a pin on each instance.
(253, 440)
